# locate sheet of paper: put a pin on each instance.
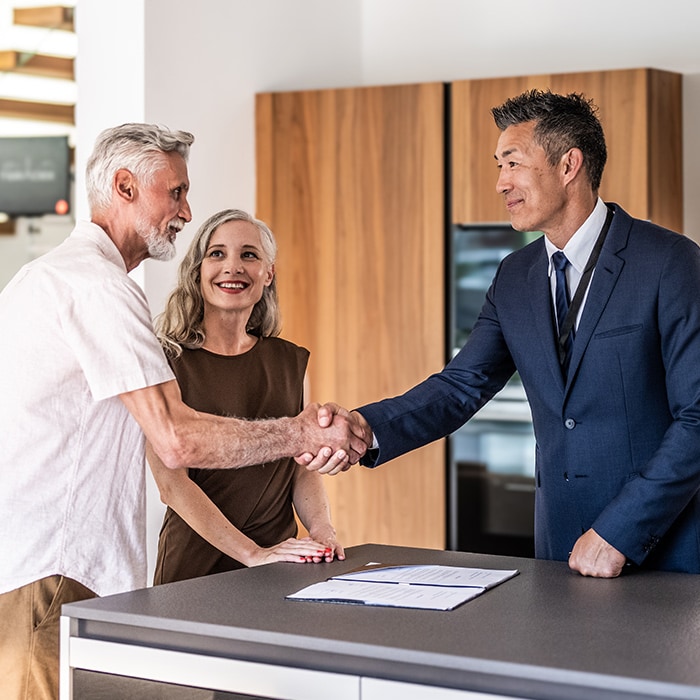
(383, 594)
(429, 575)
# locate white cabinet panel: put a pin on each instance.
(377, 689)
(260, 680)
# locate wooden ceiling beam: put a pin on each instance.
(38, 64)
(39, 111)
(49, 17)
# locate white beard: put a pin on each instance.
(160, 247)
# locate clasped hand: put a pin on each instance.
(339, 438)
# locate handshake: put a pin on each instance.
(332, 437)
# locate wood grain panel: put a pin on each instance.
(42, 65)
(665, 101)
(49, 16)
(37, 111)
(474, 137)
(640, 110)
(621, 97)
(352, 183)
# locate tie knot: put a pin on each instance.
(559, 260)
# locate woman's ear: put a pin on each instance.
(270, 275)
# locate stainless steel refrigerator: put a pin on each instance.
(491, 459)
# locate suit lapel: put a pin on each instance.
(607, 272)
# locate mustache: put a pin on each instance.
(177, 223)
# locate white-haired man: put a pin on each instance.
(83, 379)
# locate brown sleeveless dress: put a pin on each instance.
(265, 382)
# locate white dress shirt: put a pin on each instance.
(77, 333)
(577, 251)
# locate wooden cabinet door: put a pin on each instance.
(352, 183)
(473, 144)
(641, 114)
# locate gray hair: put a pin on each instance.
(181, 324)
(138, 148)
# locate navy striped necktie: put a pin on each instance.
(560, 262)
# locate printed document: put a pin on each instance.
(429, 587)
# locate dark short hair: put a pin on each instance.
(561, 122)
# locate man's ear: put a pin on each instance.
(571, 164)
(124, 184)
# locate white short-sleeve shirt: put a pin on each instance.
(76, 333)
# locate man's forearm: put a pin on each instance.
(183, 437)
(214, 442)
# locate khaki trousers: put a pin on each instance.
(29, 637)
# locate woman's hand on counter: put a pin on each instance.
(302, 550)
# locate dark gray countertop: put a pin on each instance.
(547, 633)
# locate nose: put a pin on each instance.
(185, 211)
(233, 267)
(502, 183)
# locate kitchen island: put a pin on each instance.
(547, 633)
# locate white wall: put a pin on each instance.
(197, 66)
(424, 40)
(32, 237)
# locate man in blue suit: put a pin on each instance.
(615, 394)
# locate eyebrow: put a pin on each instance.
(245, 246)
(505, 154)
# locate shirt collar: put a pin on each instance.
(580, 245)
(96, 234)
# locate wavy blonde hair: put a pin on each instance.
(182, 322)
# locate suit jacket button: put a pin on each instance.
(569, 423)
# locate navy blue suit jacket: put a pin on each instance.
(618, 441)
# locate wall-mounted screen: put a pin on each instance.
(35, 175)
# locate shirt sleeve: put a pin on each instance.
(111, 334)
